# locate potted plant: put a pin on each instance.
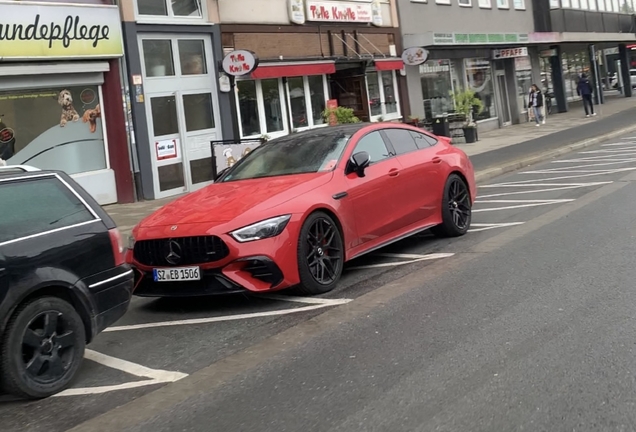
(341, 115)
(466, 103)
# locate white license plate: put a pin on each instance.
(177, 274)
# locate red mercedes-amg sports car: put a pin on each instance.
(296, 208)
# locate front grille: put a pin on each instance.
(180, 251)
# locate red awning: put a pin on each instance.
(388, 64)
(276, 70)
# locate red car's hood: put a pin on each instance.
(222, 202)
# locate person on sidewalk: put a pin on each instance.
(536, 104)
(585, 89)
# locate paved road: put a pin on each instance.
(523, 324)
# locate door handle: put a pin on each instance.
(394, 172)
(437, 160)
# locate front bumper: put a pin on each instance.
(258, 266)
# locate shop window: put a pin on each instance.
(192, 57)
(164, 116)
(53, 128)
(158, 57)
(170, 8)
(297, 105)
(198, 111)
(171, 176)
(260, 108)
(318, 97)
(307, 100)
(479, 79)
(382, 93)
(437, 86)
(523, 70)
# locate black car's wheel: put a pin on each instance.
(320, 254)
(42, 349)
(456, 209)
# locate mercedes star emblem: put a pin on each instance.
(174, 252)
(173, 228)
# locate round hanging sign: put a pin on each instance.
(240, 62)
(414, 56)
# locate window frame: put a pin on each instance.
(503, 4)
(310, 113)
(484, 4)
(260, 105)
(171, 17)
(386, 117)
(64, 184)
(469, 3)
(519, 4)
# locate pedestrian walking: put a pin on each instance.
(535, 102)
(585, 90)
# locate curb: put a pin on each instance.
(489, 173)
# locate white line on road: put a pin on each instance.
(522, 182)
(543, 190)
(610, 152)
(486, 226)
(305, 300)
(394, 264)
(236, 317)
(521, 206)
(402, 255)
(83, 391)
(565, 168)
(526, 201)
(514, 184)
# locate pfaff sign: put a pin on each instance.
(509, 53)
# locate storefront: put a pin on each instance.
(60, 94)
(499, 73)
(325, 50)
(173, 50)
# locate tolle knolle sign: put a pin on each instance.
(338, 11)
(240, 62)
(59, 31)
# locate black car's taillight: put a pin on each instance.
(118, 246)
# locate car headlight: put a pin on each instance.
(261, 230)
(131, 242)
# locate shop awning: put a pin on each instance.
(293, 69)
(389, 64)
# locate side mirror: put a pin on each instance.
(358, 163)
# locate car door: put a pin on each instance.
(374, 196)
(417, 153)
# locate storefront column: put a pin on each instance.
(623, 55)
(513, 96)
(557, 80)
(535, 62)
(118, 154)
(414, 86)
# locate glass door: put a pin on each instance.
(182, 108)
(506, 118)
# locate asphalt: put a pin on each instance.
(525, 327)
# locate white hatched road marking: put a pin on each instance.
(528, 204)
(489, 226)
(544, 190)
(410, 261)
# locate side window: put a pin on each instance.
(423, 140)
(373, 144)
(402, 140)
(33, 206)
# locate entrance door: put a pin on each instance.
(506, 117)
(182, 110)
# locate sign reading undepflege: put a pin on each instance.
(240, 62)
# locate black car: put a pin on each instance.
(63, 279)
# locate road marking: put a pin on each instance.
(627, 151)
(155, 376)
(564, 169)
(489, 226)
(305, 300)
(236, 317)
(524, 201)
(401, 255)
(522, 182)
(533, 204)
(394, 264)
(543, 190)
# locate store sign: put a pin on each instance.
(478, 38)
(240, 62)
(166, 149)
(330, 11)
(548, 53)
(504, 53)
(58, 31)
(414, 56)
(297, 11)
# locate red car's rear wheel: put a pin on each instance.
(456, 209)
(320, 254)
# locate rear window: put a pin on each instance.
(34, 206)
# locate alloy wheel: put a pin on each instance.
(459, 203)
(324, 256)
(48, 347)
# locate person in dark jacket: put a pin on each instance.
(535, 103)
(585, 90)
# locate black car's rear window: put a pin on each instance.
(37, 205)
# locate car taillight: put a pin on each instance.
(118, 246)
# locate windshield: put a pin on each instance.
(293, 154)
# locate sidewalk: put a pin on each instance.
(559, 130)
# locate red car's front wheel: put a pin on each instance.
(320, 254)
